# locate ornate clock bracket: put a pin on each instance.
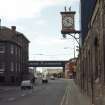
(72, 34)
(70, 30)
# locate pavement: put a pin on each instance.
(73, 96)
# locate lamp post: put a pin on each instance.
(77, 39)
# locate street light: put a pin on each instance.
(77, 39)
(75, 47)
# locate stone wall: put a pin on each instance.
(92, 58)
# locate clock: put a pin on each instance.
(67, 21)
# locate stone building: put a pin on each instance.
(91, 75)
(13, 56)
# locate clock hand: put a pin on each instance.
(67, 21)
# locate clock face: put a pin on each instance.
(67, 22)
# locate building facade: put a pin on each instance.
(70, 68)
(13, 56)
(67, 71)
(91, 62)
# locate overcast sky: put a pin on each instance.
(40, 22)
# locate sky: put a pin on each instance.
(40, 22)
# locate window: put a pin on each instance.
(19, 67)
(2, 48)
(16, 67)
(12, 66)
(12, 49)
(2, 79)
(16, 51)
(2, 67)
(19, 53)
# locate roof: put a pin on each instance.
(7, 34)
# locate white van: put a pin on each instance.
(44, 78)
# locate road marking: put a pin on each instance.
(23, 95)
(66, 103)
(64, 96)
(68, 96)
(11, 99)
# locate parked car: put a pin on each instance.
(26, 84)
(52, 77)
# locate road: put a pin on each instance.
(42, 94)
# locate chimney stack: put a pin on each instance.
(13, 28)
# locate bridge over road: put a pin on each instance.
(47, 64)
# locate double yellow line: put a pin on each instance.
(66, 97)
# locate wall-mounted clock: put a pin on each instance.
(67, 21)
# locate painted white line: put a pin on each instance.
(6, 89)
(68, 96)
(66, 103)
(11, 99)
(23, 95)
(64, 96)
